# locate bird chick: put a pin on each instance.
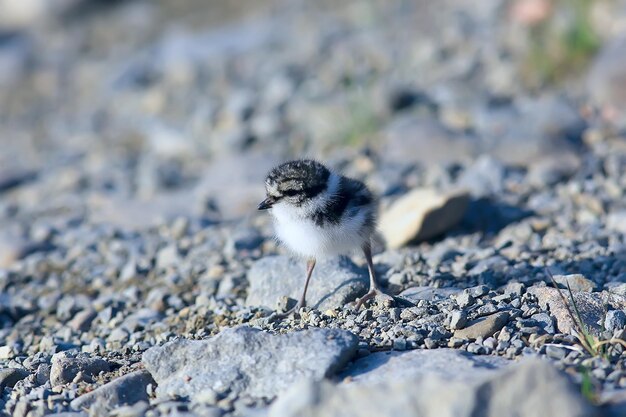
(319, 213)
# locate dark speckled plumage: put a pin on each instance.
(304, 179)
(298, 180)
(351, 196)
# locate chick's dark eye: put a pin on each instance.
(290, 193)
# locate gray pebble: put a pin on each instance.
(66, 367)
(458, 319)
(464, 299)
(478, 291)
(514, 288)
(615, 320)
(555, 352)
(118, 335)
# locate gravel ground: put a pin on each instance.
(136, 136)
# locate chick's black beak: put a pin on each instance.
(267, 203)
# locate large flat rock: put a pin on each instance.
(248, 361)
(334, 283)
(445, 363)
(528, 389)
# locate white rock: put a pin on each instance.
(422, 214)
(6, 352)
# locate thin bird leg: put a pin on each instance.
(302, 302)
(367, 251)
(374, 288)
(310, 264)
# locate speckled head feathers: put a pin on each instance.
(297, 181)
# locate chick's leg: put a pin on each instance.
(375, 290)
(302, 302)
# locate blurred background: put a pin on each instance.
(135, 136)
(129, 110)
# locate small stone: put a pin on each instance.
(486, 309)
(501, 298)
(42, 374)
(490, 342)
(430, 343)
(408, 135)
(96, 345)
(82, 320)
(80, 377)
(476, 349)
(118, 335)
(483, 327)
(330, 313)
(41, 233)
(464, 299)
(125, 390)
(168, 256)
(399, 344)
(65, 368)
(478, 291)
(408, 314)
(615, 320)
(415, 294)
(438, 333)
(555, 352)
(514, 288)
(544, 321)
(458, 319)
(577, 282)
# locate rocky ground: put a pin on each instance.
(137, 278)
